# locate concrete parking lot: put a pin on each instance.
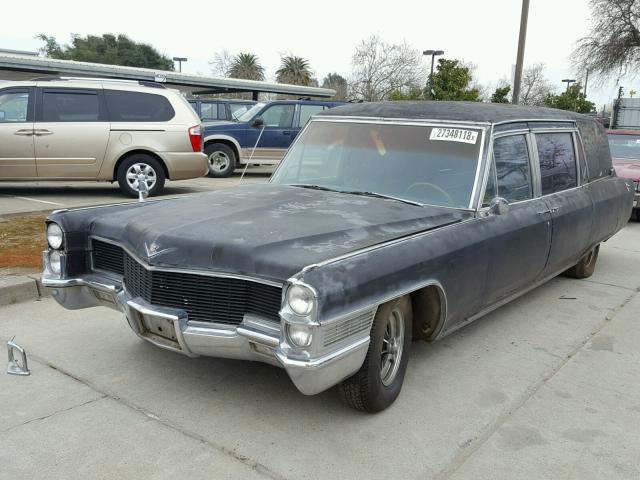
(545, 387)
(24, 197)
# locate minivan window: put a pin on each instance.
(76, 106)
(138, 107)
(306, 111)
(513, 171)
(14, 106)
(557, 162)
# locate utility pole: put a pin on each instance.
(433, 54)
(520, 58)
(586, 81)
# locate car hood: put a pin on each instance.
(222, 125)
(265, 230)
(627, 168)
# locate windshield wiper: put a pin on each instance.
(380, 195)
(314, 187)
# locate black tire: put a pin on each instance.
(141, 160)
(586, 266)
(217, 153)
(366, 390)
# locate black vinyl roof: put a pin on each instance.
(453, 111)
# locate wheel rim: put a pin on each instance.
(392, 345)
(141, 172)
(218, 161)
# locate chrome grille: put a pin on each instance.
(108, 257)
(342, 329)
(205, 298)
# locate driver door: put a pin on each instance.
(520, 238)
(277, 135)
(17, 157)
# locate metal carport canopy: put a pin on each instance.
(14, 66)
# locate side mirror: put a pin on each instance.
(2, 115)
(257, 122)
(499, 206)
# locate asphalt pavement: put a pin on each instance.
(543, 388)
(26, 197)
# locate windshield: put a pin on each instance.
(625, 146)
(249, 114)
(416, 163)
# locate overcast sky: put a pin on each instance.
(325, 32)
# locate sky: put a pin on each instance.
(326, 33)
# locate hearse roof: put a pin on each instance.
(453, 111)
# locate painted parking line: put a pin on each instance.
(35, 200)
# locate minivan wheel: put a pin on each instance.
(586, 266)
(140, 168)
(222, 160)
(378, 382)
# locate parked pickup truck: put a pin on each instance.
(260, 135)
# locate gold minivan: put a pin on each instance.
(98, 129)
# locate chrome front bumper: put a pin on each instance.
(253, 339)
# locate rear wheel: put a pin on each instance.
(140, 168)
(378, 382)
(222, 160)
(586, 266)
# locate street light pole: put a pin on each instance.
(568, 81)
(179, 60)
(433, 54)
(517, 79)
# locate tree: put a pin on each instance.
(221, 63)
(535, 87)
(414, 93)
(294, 70)
(613, 44)
(380, 68)
(109, 49)
(572, 99)
(338, 83)
(247, 66)
(501, 94)
(452, 81)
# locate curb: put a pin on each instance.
(16, 289)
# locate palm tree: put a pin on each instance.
(294, 70)
(247, 66)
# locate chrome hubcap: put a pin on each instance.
(218, 161)
(141, 172)
(392, 345)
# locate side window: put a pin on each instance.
(278, 116)
(582, 162)
(209, 111)
(222, 111)
(14, 106)
(513, 172)
(126, 106)
(490, 191)
(238, 109)
(557, 162)
(306, 111)
(70, 106)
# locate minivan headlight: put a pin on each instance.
(55, 235)
(301, 299)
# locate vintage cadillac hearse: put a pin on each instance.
(385, 222)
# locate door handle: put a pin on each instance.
(286, 132)
(25, 132)
(39, 132)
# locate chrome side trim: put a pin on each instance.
(400, 121)
(526, 120)
(207, 273)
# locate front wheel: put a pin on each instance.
(222, 160)
(378, 382)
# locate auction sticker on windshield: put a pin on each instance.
(454, 135)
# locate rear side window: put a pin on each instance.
(138, 107)
(70, 106)
(14, 106)
(557, 162)
(211, 111)
(513, 171)
(306, 111)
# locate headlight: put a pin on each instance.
(300, 299)
(54, 235)
(300, 335)
(55, 262)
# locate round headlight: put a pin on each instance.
(54, 235)
(55, 262)
(300, 335)
(300, 299)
